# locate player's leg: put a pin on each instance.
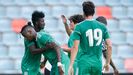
(84, 68)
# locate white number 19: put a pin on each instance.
(97, 36)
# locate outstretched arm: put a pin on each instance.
(68, 30)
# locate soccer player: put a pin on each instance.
(57, 58)
(27, 65)
(39, 24)
(73, 21)
(104, 21)
(30, 47)
(89, 35)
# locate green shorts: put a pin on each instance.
(89, 66)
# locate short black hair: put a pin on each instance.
(88, 8)
(25, 27)
(77, 18)
(102, 20)
(36, 15)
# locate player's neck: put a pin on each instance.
(89, 17)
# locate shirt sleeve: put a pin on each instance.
(77, 33)
(106, 34)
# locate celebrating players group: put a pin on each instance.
(88, 39)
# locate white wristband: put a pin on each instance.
(59, 64)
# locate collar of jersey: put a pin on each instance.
(89, 19)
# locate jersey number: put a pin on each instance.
(92, 35)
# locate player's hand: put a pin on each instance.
(42, 65)
(106, 67)
(64, 19)
(116, 72)
(70, 70)
(61, 70)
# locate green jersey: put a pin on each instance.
(91, 33)
(51, 55)
(30, 62)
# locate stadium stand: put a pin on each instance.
(17, 24)
(106, 12)
(128, 64)
(130, 10)
(112, 2)
(15, 13)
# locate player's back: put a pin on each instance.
(91, 36)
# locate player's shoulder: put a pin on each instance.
(43, 35)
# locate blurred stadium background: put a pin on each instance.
(15, 13)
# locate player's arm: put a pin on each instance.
(59, 64)
(73, 56)
(57, 49)
(109, 52)
(74, 51)
(68, 30)
(77, 34)
(35, 50)
(66, 49)
(111, 63)
(108, 43)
